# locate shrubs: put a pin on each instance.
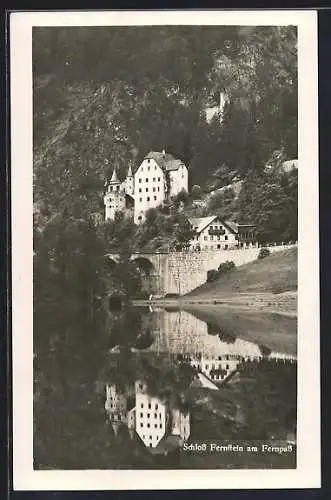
(171, 296)
(263, 253)
(212, 275)
(223, 268)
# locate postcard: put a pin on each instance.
(165, 250)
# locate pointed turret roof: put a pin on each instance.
(130, 171)
(114, 178)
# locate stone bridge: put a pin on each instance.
(181, 272)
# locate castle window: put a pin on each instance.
(160, 415)
(148, 168)
(227, 367)
(148, 161)
(158, 189)
(141, 415)
(146, 190)
(156, 407)
(148, 415)
(218, 237)
(154, 197)
(149, 405)
(141, 425)
(139, 218)
(139, 180)
(226, 237)
(147, 198)
(155, 425)
(154, 189)
(148, 425)
(205, 238)
(140, 190)
(154, 179)
(146, 179)
(160, 426)
(140, 199)
(159, 178)
(218, 247)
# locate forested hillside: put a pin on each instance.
(105, 96)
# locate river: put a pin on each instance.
(129, 392)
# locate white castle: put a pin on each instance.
(159, 177)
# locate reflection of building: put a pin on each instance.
(217, 368)
(212, 233)
(212, 353)
(118, 408)
(151, 416)
(152, 419)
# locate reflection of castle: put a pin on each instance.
(154, 421)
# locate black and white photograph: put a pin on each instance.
(167, 227)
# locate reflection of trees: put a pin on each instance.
(144, 340)
(265, 351)
(213, 329)
(126, 328)
(227, 338)
(268, 399)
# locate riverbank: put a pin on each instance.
(283, 303)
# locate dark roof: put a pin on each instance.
(202, 222)
(166, 162)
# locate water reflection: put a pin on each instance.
(157, 423)
(146, 380)
(157, 356)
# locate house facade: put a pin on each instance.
(213, 233)
(159, 177)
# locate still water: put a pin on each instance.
(144, 383)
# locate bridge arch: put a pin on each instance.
(149, 275)
(144, 265)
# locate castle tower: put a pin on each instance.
(114, 199)
(129, 183)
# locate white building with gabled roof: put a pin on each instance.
(213, 233)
